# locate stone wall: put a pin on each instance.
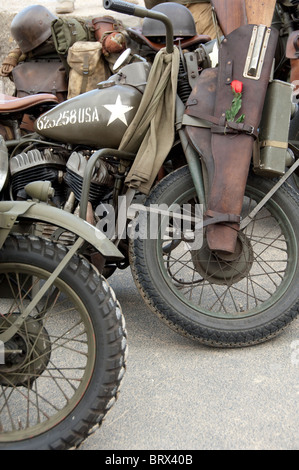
(6, 44)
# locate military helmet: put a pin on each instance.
(181, 18)
(31, 27)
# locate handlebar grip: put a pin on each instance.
(141, 12)
(119, 6)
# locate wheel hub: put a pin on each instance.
(27, 354)
(223, 268)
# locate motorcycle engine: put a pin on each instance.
(37, 165)
(102, 180)
(64, 171)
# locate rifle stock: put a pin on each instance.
(260, 12)
(231, 14)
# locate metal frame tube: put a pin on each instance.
(89, 172)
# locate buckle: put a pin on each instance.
(250, 131)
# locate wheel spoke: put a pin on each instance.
(219, 298)
(37, 389)
(231, 288)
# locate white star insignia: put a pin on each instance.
(117, 111)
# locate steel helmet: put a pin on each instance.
(31, 27)
(181, 18)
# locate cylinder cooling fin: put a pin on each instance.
(36, 165)
(102, 180)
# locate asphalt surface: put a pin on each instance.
(178, 395)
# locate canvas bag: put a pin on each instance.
(67, 31)
(87, 67)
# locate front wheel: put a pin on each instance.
(61, 371)
(225, 301)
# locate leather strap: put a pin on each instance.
(221, 125)
(221, 217)
(85, 74)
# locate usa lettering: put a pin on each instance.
(69, 116)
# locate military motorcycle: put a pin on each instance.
(62, 332)
(179, 148)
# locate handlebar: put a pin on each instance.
(134, 10)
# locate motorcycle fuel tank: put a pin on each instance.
(98, 118)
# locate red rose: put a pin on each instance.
(230, 114)
(237, 86)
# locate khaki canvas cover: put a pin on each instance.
(151, 133)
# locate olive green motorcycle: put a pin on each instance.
(230, 278)
(62, 332)
(184, 164)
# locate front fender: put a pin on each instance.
(11, 211)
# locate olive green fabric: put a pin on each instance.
(67, 31)
(151, 133)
